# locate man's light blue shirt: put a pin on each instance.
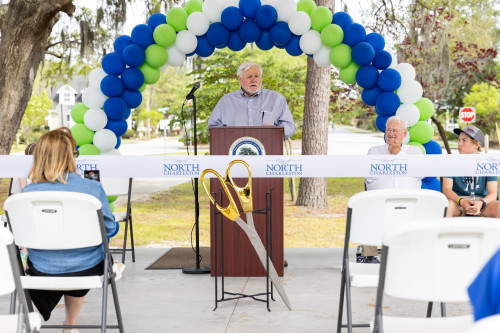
(67, 261)
(265, 107)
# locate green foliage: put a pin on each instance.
(128, 134)
(486, 99)
(34, 116)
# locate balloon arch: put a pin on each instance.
(201, 27)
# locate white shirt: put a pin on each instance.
(377, 183)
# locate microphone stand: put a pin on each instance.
(197, 269)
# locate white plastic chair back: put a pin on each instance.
(7, 284)
(115, 186)
(39, 220)
(375, 212)
(437, 259)
(489, 324)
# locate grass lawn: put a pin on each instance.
(167, 217)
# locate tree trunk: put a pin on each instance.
(25, 28)
(442, 133)
(312, 191)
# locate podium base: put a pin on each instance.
(196, 270)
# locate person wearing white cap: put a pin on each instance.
(471, 196)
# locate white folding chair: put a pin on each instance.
(10, 283)
(433, 260)
(14, 187)
(489, 324)
(122, 186)
(59, 220)
(369, 215)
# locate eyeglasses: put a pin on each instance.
(76, 153)
(389, 130)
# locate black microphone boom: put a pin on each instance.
(191, 93)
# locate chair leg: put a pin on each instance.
(429, 309)
(124, 248)
(106, 277)
(341, 301)
(443, 309)
(132, 238)
(118, 312)
(348, 297)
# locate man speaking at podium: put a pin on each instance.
(251, 105)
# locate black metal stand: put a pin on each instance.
(269, 253)
(197, 269)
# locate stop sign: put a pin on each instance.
(467, 115)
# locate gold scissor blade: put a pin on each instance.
(231, 211)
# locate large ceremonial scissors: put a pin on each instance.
(231, 212)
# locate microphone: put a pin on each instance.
(190, 95)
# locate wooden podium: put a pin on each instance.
(240, 258)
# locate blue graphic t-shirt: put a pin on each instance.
(464, 186)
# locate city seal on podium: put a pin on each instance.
(247, 146)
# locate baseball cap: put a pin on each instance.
(473, 132)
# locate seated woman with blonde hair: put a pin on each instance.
(54, 169)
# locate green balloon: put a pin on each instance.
(112, 206)
(156, 56)
(426, 108)
(89, 149)
(306, 6)
(151, 75)
(332, 35)
(348, 73)
(193, 6)
(164, 35)
(82, 134)
(320, 17)
(112, 198)
(143, 87)
(177, 18)
(77, 112)
(419, 145)
(422, 132)
(340, 56)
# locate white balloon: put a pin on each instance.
(105, 140)
(410, 92)
(299, 23)
(310, 42)
(95, 119)
(93, 98)
(285, 9)
(409, 112)
(198, 23)
(111, 152)
(406, 71)
(186, 42)
(406, 138)
(212, 10)
(268, 2)
(230, 3)
(96, 76)
(175, 57)
(322, 57)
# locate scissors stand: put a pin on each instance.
(268, 294)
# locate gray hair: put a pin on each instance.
(246, 66)
(402, 121)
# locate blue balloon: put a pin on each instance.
(280, 33)
(134, 56)
(119, 127)
(353, 34)
(231, 18)
(204, 48)
(380, 122)
(121, 43)
(363, 53)
(111, 86)
(156, 19)
(433, 148)
(266, 16)
(433, 184)
(367, 77)
(376, 40)
(235, 43)
(382, 59)
(249, 31)
(341, 19)
(388, 103)
(264, 42)
(369, 96)
(115, 108)
(389, 80)
(191, 54)
(377, 111)
(132, 78)
(142, 35)
(132, 98)
(118, 143)
(423, 186)
(293, 46)
(127, 114)
(249, 8)
(217, 34)
(280, 46)
(112, 63)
